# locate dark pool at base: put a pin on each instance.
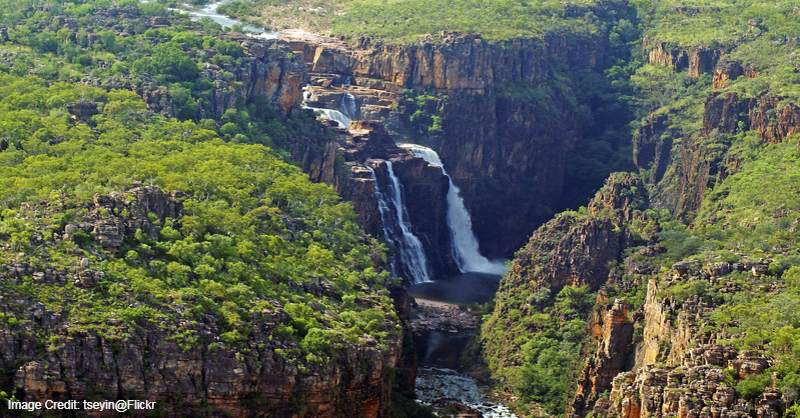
(461, 289)
(441, 353)
(442, 348)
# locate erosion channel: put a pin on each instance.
(446, 274)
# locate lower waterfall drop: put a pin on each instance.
(397, 228)
(465, 245)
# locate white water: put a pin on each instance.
(342, 116)
(434, 384)
(394, 218)
(349, 106)
(210, 11)
(465, 245)
(332, 114)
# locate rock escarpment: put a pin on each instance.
(265, 70)
(696, 61)
(504, 142)
(613, 329)
(684, 164)
(696, 388)
(143, 360)
(578, 248)
(573, 251)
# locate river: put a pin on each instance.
(438, 351)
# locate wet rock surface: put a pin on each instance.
(444, 388)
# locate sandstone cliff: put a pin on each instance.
(142, 360)
(573, 250)
(506, 149)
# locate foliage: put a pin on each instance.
(411, 20)
(540, 363)
(423, 110)
(255, 231)
(744, 215)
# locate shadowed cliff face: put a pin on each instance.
(506, 128)
(504, 149)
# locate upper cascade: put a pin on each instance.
(343, 116)
(466, 250)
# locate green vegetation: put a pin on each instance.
(717, 23)
(254, 232)
(762, 35)
(755, 209)
(549, 333)
(409, 20)
(165, 59)
(413, 20)
(422, 111)
(254, 236)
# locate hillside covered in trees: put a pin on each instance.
(225, 222)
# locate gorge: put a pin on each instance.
(402, 209)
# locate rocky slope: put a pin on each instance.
(547, 292)
(151, 363)
(504, 138)
(679, 324)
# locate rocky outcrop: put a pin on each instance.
(775, 119)
(726, 113)
(652, 146)
(771, 117)
(698, 387)
(576, 250)
(678, 369)
(267, 72)
(205, 377)
(612, 329)
(728, 71)
(150, 366)
(697, 61)
(573, 249)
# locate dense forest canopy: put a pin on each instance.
(142, 193)
(253, 234)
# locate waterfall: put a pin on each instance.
(465, 245)
(348, 109)
(397, 228)
(335, 115)
(349, 106)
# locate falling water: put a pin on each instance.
(465, 244)
(397, 230)
(342, 116)
(349, 106)
(335, 115)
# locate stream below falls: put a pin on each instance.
(439, 351)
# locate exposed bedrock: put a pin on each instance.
(204, 378)
(505, 150)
